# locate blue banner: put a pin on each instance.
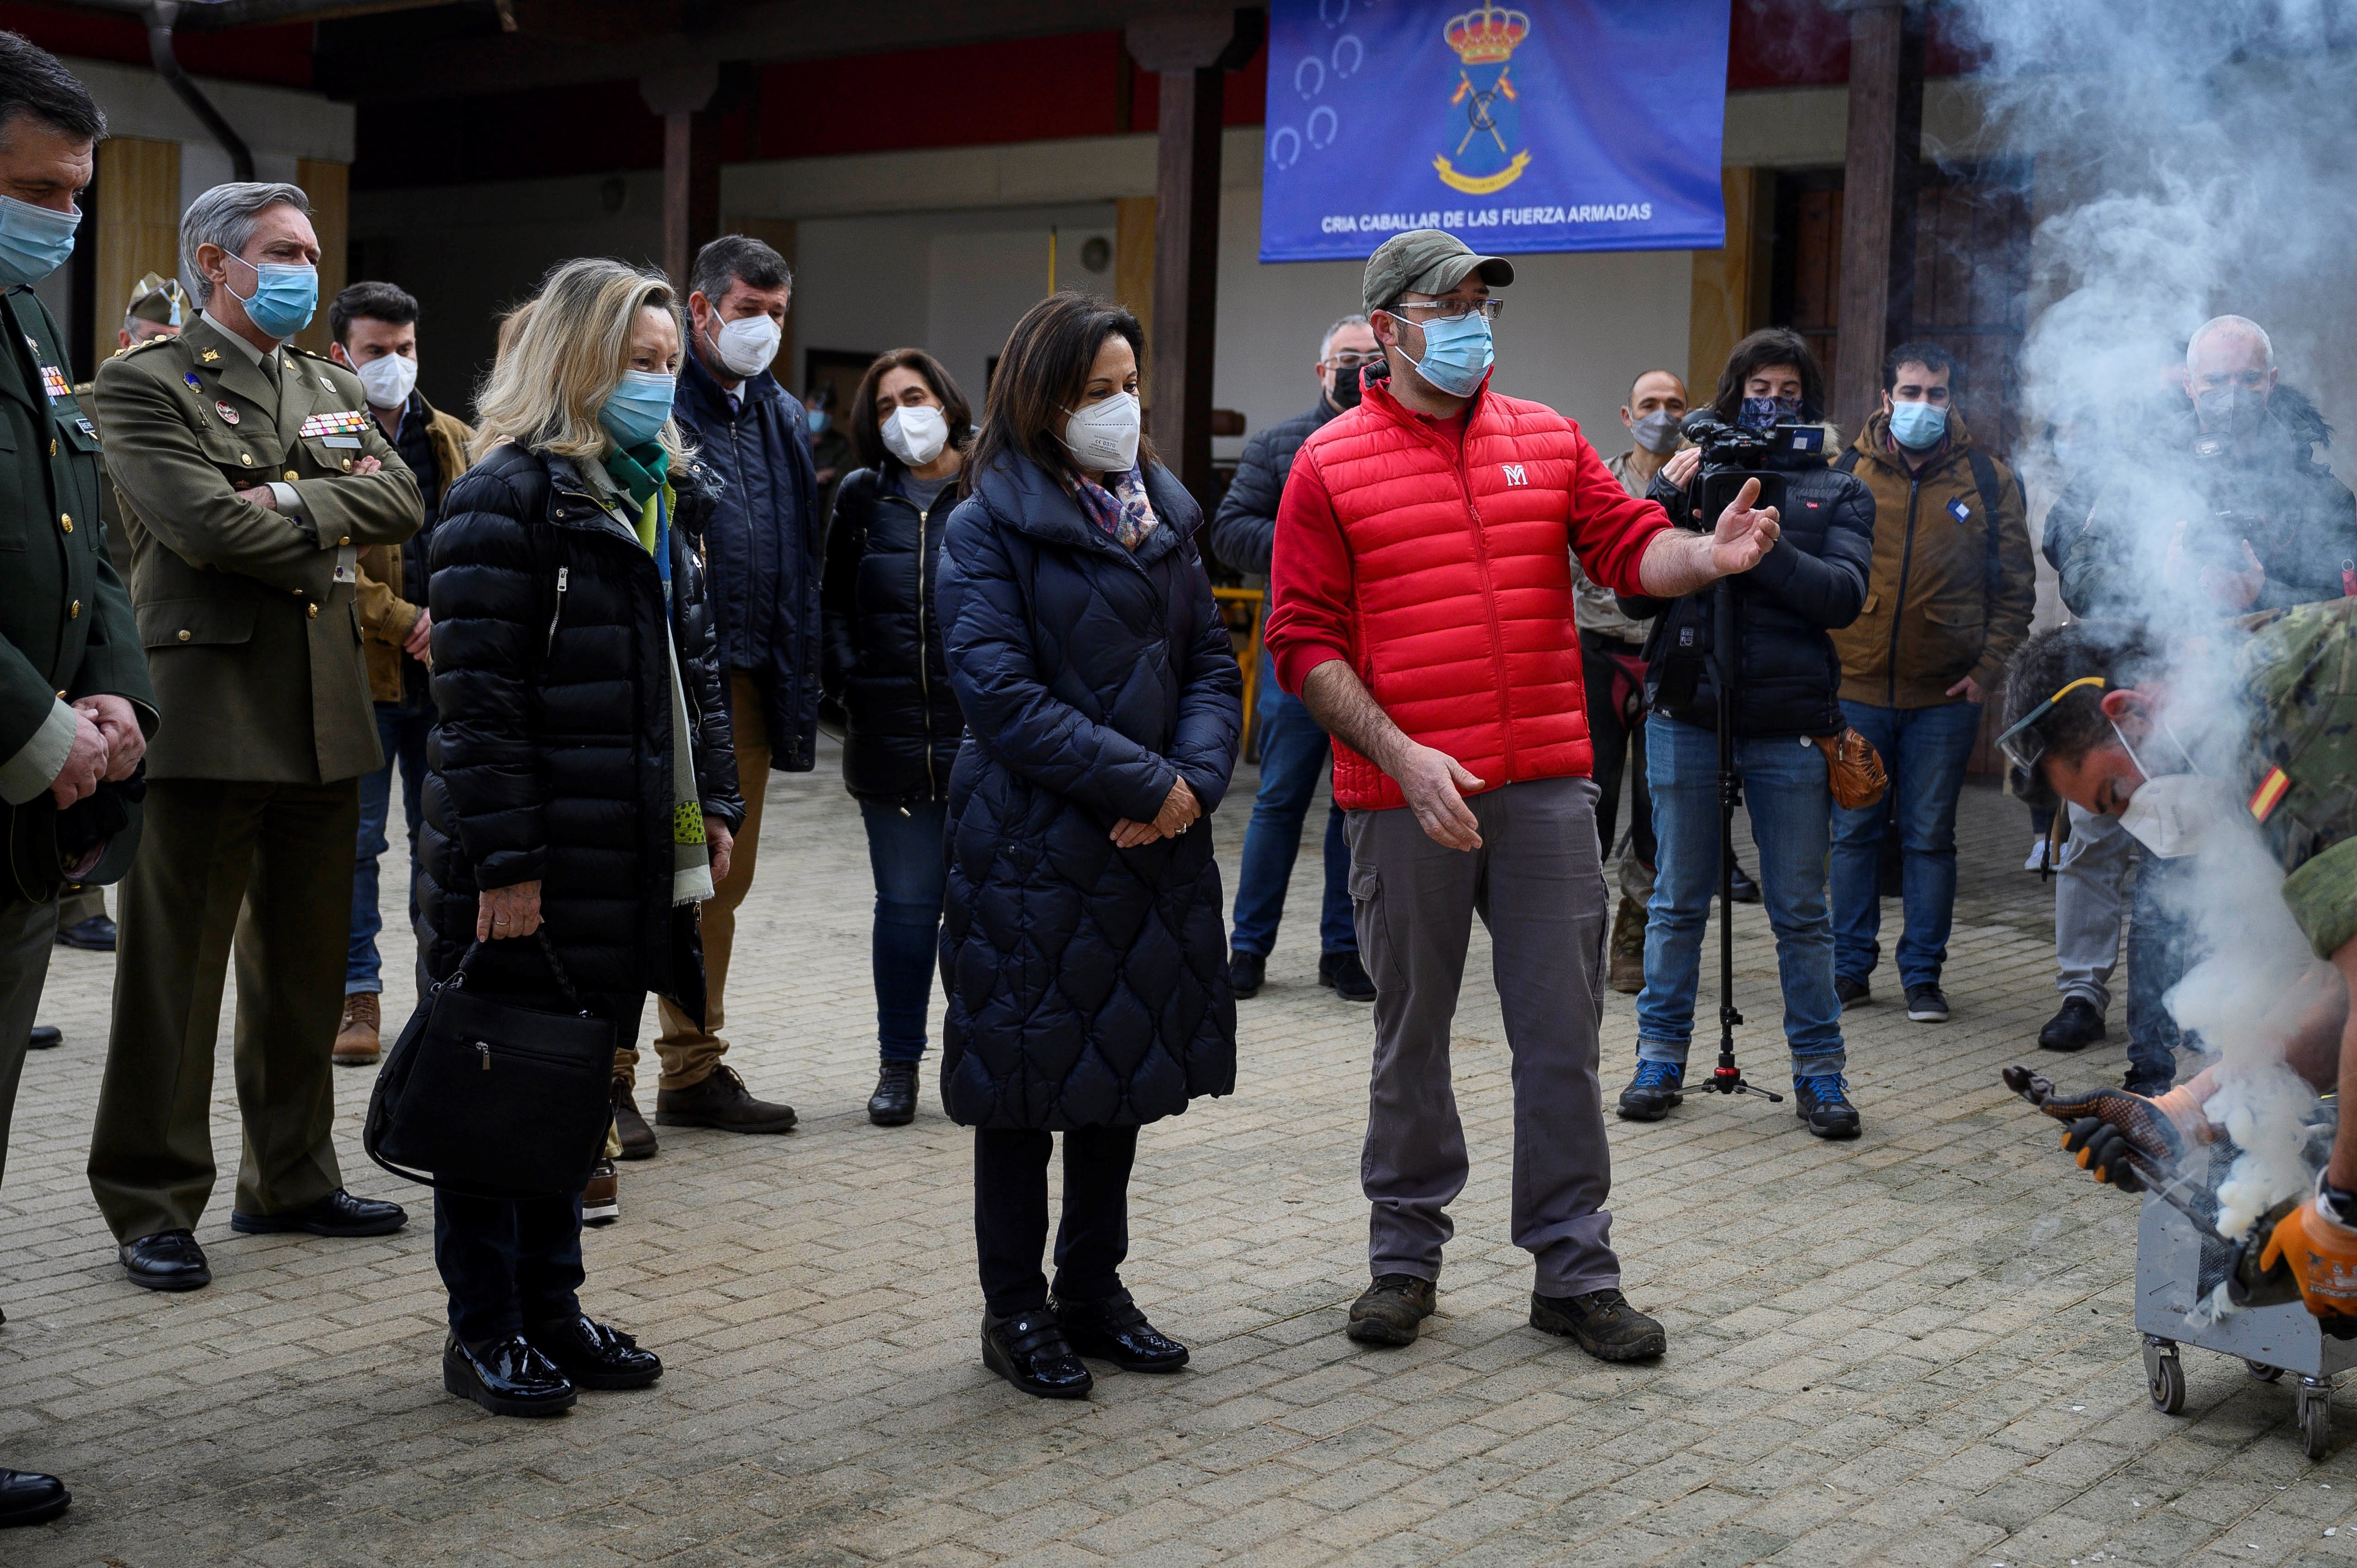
(1570, 125)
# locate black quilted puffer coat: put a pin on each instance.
(551, 759)
(881, 658)
(1088, 985)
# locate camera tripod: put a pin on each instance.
(1726, 1078)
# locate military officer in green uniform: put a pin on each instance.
(251, 477)
(2102, 717)
(75, 706)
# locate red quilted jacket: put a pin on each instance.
(1440, 568)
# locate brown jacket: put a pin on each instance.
(1952, 589)
(386, 613)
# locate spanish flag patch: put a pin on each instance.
(2270, 790)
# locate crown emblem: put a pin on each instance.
(1487, 34)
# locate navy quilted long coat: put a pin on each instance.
(1088, 985)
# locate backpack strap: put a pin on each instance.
(1847, 461)
(1984, 476)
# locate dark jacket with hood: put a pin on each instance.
(1088, 985)
(1810, 582)
(551, 758)
(881, 664)
(763, 546)
(1244, 531)
(2271, 492)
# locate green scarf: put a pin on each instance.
(639, 469)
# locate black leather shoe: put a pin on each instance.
(45, 1038)
(337, 1214)
(1347, 975)
(1746, 890)
(894, 1103)
(2074, 1028)
(27, 1496)
(94, 935)
(506, 1377)
(170, 1260)
(593, 1355)
(1246, 973)
(1603, 1322)
(639, 1140)
(1029, 1351)
(1112, 1329)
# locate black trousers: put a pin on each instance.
(1616, 744)
(509, 1262)
(1010, 1214)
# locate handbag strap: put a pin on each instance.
(547, 949)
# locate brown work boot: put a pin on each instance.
(637, 1138)
(721, 1101)
(1629, 947)
(357, 1044)
(1390, 1310)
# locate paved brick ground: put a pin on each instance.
(1915, 1348)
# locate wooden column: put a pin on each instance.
(1877, 249)
(1191, 53)
(138, 223)
(329, 187)
(691, 188)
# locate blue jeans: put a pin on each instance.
(1785, 790)
(907, 849)
(402, 731)
(1924, 751)
(1294, 754)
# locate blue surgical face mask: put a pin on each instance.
(1456, 354)
(1917, 426)
(636, 411)
(284, 298)
(818, 421)
(34, 241)
(1767, 413)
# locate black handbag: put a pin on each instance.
(487, 1097)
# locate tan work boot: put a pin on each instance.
(1629, 947)
(357, 1044)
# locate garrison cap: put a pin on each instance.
(1427, 260)
(159, 299)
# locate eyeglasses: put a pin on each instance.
(1452, 309)
(1353, 361)
(2024, 743)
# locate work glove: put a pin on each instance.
(2102, 1151)
(2323, 1254)
(2105, 1127)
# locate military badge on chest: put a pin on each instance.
(341, 428)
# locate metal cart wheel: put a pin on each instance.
(2264, 1373)
(2313, 1402)
(2164, 1374)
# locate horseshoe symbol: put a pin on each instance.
(1310, 63)
(1339, 17)
(1276, 140)
(1358, 54)
(1333, 126)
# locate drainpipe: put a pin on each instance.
(160, 14)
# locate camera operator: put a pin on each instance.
(1812, 582)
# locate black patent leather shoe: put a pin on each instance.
(170, 1260)
(1112, 1329)
(27, 1496)
(894, 1103)
(337, 1214)
(1029, 1351)
(593, 1355)
(506, 1377)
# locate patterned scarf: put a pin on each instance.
(1123, 511)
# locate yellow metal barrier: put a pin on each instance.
(1254, 602)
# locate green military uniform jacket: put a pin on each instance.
(66, 624)
(248, 614)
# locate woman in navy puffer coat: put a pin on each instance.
(1083, 947)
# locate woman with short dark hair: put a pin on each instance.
(881, 671)
(1082, 946)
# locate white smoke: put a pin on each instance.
(2193, 159)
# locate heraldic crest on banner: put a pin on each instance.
(1485, 118)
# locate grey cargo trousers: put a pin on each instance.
(1538, 881)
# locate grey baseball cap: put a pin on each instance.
(1427, 260)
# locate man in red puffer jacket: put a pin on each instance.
(1422, 610)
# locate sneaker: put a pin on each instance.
(1247, 972)
(96, 934)
(1653, 1091)
(1603, 1322)
(894, 1103)
(1346, 976)
(1390, 1311)
(2074, 1028)
(1851, 992)
(1822, 1101)
(2037, 861)
(601, 1201)
(357, 1043)
(1628, 947)
(1746, 890)
(637, 1138)
(1925, 1004)
(721, 1101)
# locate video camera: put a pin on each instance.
(1732, 454)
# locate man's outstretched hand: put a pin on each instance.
(2323, 1254)
(1744, 533)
